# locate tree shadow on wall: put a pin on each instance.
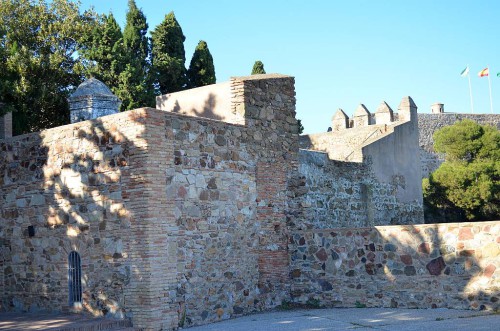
(421, 266)
(65, 193)
(206, 112)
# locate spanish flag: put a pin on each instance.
(484, 72)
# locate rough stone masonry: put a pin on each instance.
(181, 218)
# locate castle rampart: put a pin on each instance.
(183, 219)
(155, 203)
(381, 158)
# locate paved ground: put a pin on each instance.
(293, 320)
(59, 322)
(360, 319)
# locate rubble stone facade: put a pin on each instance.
(411, 266)
(182, 220)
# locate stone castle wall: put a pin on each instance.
(332, 193)
(183, 220)
(179, 220)
(430, 123)
(229, 206)
(78, 187)
(344, 145)
(367, 175)
(410, 266)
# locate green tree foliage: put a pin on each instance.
(106, 52)
(135, 87)
(39, 46)
(468, 182)
(300, 128)
(201, 70)
(168, 55)
(7, 79)
(258, 68)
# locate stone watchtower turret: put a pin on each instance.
(92, 99)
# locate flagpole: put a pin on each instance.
(489, 84)
(470, 93)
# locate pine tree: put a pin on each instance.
(258, 68)
(468, 182)
(135, 88)
(168, 55)
(201, 70)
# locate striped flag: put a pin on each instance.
(484, 72)
(465, 72)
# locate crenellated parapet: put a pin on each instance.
(384, 115)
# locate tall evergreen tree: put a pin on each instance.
(168, 55)
(135, 87)
(134, 35)
(201, 70)
(107, 53)
(258, 68)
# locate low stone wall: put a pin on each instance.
(430, 123)
(420, 266)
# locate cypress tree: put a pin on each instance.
(134, 35)
(201, 70)
(168, 55)
(107, 52)
(135, 83)
(258, 68)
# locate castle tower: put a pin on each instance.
(340, 120)
(384, 114)
(361, 116)
(437, 108)
(92, 99)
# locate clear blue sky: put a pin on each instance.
(343, 53)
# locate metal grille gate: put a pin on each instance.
(74, 278)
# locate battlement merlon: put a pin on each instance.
(407, 110)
